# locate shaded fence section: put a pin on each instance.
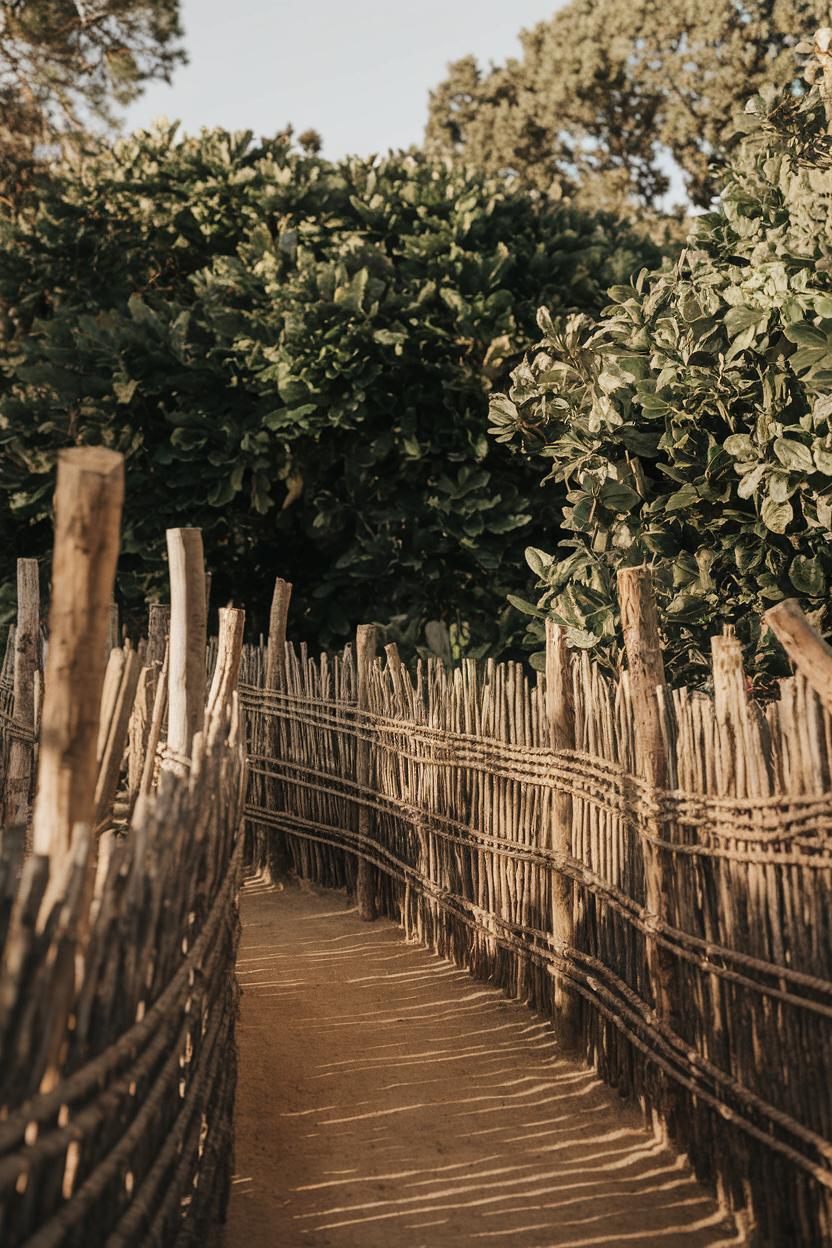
(118, 897)
(118, 1083)
(679, 931)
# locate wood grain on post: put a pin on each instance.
(229, 653)
(277, 855)
(158, 629)
(21, 752)
(365, 888)
(276, 649)
(160, 702)
(809, 653)
(188, 639)
(88, 503)
(645, 665)
(109, 767)
(560, 712)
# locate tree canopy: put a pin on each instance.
(691, 427)
(294, 355)
(604, 87)
(64, 63)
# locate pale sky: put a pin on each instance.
(359, 71)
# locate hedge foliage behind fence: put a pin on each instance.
(294, 355)
(692, 426)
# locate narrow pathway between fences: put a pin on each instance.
(386, 1097)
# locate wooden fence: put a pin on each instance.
(650, 867)
(118, 899)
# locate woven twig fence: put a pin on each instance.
(679, 934)
(117, 1085)
(118, 935)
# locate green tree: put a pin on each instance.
(605, 87)
(691, 427)
(65, 63)
(294, 355)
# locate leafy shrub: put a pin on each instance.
(293, 355)
(692, 426)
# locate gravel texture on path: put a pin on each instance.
(389, 1100)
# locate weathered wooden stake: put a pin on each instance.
(160, 702)
(88, 503)
(188, 639)
(278, 850)
(366, 642)
(113, 754)
(560, 711)
(158, 629)
(229, 653)
(276, 651)
(19, 775)
(646, 672)
(809, 653)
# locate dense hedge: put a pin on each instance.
(692, 426)
(294, 355)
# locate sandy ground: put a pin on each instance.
(388, 1099)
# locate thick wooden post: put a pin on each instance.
(158, 628)
(88, 503)
(229, 653)
(21, 750)
(273, 848)
(112, 755)
(560, 711)
(188, 639)
(366, 642)
(276, 651)
(646, 671)
(809, 653)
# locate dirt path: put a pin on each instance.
(388, 1099)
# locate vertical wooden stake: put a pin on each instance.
(646, 669)
(229, 653)
(276, 652)
(188, 639)
(113, 753)
(158, 628)
(365, 888)
(88, 503)
(560, 711)
(277, 853)
(21, 752)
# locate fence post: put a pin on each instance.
(809, 653)
(646, 671)
(366, 642)
(229, 653)
(276, 850)
(560, 711)
(158, 627)
(21, 752)
(88, 502)
(188, 639)
(276, 647)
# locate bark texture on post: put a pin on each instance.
(560, 712)
(229, 653)
(366, 643)
(188, 639)
(809, 653)
(647, 682)
(88, 503)
(276, 648)
(19, 775)
(158, 629)
(273, 848)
